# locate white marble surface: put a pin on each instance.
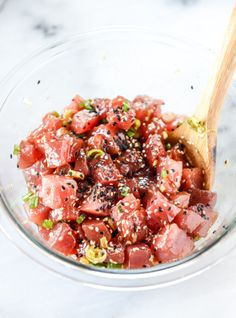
(26, 289)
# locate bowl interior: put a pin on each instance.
(107, 64)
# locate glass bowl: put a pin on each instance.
(105, 63)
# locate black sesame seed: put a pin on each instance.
(114, 233)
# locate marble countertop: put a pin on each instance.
(28, 290)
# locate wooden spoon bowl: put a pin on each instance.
(199, 133)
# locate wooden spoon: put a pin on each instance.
(199, 132)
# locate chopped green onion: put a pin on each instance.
(125, 106)
(124, 191)
(76, 174)
(87, 104)
(47, 224)
(80, 136)
(114, 266)
(103, 242)
(16, 150)
(84, 260)
(130, 133)
(31, 199)
(137, 124)
(196, 124)
(100, 265)
(164, 174)
(68, 114)
(81, 218)
(27, 197)
(104, 121)
(95, 255)
(119, 206)
(168, 146)
(56, 114)
(34, 201)
(95, 153)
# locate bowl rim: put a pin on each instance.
(104, 272)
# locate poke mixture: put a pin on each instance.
(107, 188)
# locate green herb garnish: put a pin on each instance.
(124, 191)
(164, 174)
(16, 150)
(119, 207)
(168, 146)
(87, 104)
(114, 266)
(196, 124)
(104, 121)
(56, 114)
(99, 265)
(81, 218)
(125, 106)
(31, 199)
(133, 131)
(95, 153)
(76, 174)
(130, 133)
(95, 255)
(47, 224)
(78, 135)
(137, 124)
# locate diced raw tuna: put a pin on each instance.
(137, 256)
(28, 155)
(160, 211)
(95, 230)
(58, 191)
(181, 199)
(192, 178)
(100, 201)
(209, 217)
(169, 174)
(115, 254)
(38, 214)
(205, 197)
(171, 244)
(62, 239)
(188, 220)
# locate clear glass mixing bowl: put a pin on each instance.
(108, 62)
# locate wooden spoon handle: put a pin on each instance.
(209, 109)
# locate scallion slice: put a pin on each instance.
(95, 153)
